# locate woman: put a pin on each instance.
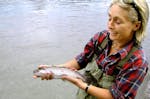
(114, 58)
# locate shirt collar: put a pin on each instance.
(124, 52)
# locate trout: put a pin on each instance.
(58, 72)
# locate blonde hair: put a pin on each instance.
(138, 11)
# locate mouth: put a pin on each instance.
(113, 33)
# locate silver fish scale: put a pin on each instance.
(58, 72)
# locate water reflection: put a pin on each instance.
(34, 32)
(39, 4)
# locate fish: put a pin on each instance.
(58, 72)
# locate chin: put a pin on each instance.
(112, 37)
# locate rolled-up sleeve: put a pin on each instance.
(89, 50)
(86, 56)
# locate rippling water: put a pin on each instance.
(34, 32)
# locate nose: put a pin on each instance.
(110, 24)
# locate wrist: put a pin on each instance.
(87, 87)
(83, 86)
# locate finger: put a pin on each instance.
(42, 66)
(71, 79)
(72, 68)
(47, 76)
(63, 78)
(34, 77)
(43, 76)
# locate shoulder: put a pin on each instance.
(138, 59)
(100, 36)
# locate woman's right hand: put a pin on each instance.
(46, 76)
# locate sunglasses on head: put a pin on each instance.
(134, 5)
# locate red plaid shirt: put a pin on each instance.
(130, 76)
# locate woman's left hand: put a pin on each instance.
(76, 81)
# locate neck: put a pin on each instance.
(119, 44)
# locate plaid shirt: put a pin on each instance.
(130, 76)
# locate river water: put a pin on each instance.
(34, 32)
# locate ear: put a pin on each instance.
(137, 25)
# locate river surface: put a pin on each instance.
(34, 32)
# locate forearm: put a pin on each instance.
(100, 93)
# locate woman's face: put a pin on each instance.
(120, 27)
